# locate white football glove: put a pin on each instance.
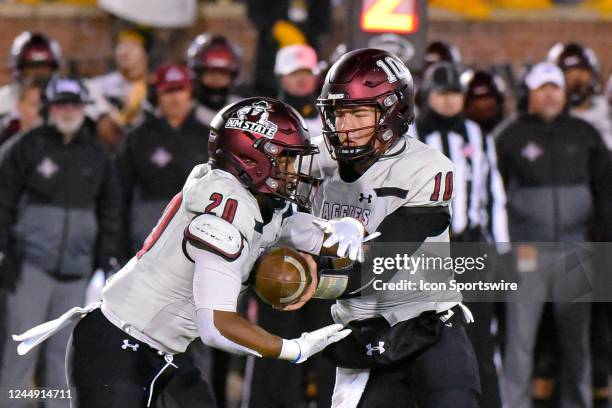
(300, 349)
(348, 233)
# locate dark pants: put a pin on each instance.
(313, 380)
(108, 368)
(38, 297)
(444, 375)
(484, 344)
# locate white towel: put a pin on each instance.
(42, 332)
(350, 384)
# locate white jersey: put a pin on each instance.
(411, 175)
(152, 297)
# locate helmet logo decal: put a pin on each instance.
(254, 118)
(393, 67)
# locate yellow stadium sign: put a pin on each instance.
(390, 16)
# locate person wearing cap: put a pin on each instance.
(484, 105)
(215, 62)
(443, 125)
(59, 221)
(33, 59)
(297, 69)
(582, 75)
(583, 89)
(556, 171)
(118, 96)
(158, 155)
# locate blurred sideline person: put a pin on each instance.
(185, 281)
(484, 105)
(26, 113)
(280, 23)
(436, 52)
(159, 154)
(441, 51)
(443, 126)
(550, 201)
(33, 59)
(582, 75)
(581, 70)
(296, 68)
(215, 62)
(59, 217)
(118, 95)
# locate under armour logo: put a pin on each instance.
(380, 348)
(127, 344)
(363, 197)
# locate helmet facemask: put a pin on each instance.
(338, 142)
(290, 178)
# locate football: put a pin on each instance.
(281, 276)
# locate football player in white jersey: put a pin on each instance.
(185, 281)
(407, 346)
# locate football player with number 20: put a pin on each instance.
(185, 281)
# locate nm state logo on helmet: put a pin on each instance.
(254, 118)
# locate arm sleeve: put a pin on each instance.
(299, 232)
(216, 286)
(216, 282)
(213, 338)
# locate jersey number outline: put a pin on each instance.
(448, 187)
(393, 68)
(229, 211)
(169, 213)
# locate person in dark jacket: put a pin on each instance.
(556, 171)
(159, 154)
(59, 220)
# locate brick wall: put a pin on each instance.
(85, 37)
(519, 42)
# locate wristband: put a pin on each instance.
(290, 350)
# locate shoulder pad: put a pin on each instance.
(214, 234)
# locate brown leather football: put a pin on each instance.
(281, 276)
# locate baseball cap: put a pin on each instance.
(544, 73)
(294, 58)
(172, 76)
(66, 90)
(442, 77)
